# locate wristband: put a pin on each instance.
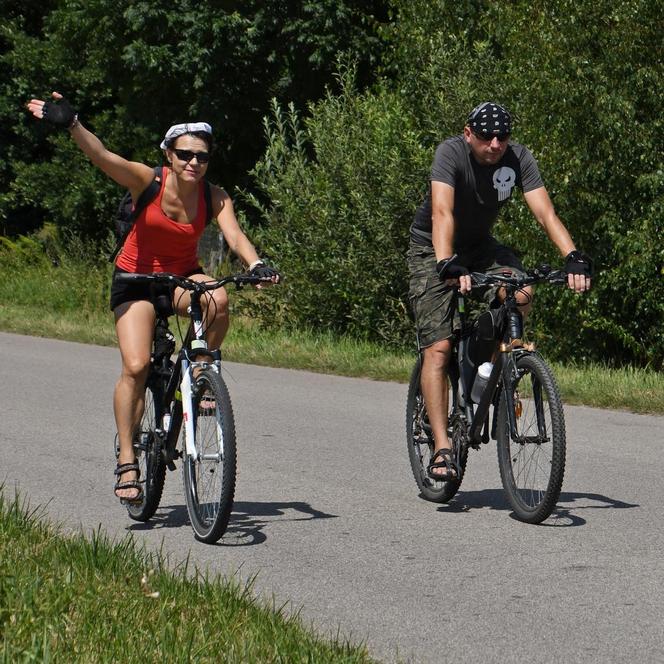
(255, 264)
(74, 123)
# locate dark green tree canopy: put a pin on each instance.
(364, 91)
(133, 68)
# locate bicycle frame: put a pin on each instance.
(507, 351)
(528, 421)
(176, 404)
(193, 346)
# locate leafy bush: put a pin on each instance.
(340, 189)
(337, 215)
(54, 271)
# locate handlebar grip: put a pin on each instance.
(557, 277)
(132, 276)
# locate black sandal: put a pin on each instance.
(446, 462)
(129, 484)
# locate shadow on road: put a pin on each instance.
(562, 516)
(247, 522)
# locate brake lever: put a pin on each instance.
(542, 271)
(478, 278)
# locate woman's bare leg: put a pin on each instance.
(134, 324)
(215, 310)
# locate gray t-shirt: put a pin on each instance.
(479, 191)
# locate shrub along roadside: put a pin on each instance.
(341, 186)
(79, 599)
(42, 293)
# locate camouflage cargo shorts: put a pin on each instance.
(432, 301)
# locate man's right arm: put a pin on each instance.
(442, 226)
(442, 219)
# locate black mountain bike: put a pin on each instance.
(528, 421)
(189, 391)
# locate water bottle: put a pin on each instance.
(481, 379)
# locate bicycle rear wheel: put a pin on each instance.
(532, 462)
(209, 479)
(419, 440)
(147, 447)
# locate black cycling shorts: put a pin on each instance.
(125, 291)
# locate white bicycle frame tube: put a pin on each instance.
(187, 409)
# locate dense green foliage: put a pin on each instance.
(341, 175)
(133, 68)
(336, 221)
(580, 78)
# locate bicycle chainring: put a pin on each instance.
(460, 437)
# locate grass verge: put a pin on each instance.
(66, 297)
(88, 599)
(637, 390)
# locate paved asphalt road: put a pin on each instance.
(327, 514)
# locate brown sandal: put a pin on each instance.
(121, 469)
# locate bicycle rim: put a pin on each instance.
(209, 479)
(532, 463)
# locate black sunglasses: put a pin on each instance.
(188, 155)
(501, 137)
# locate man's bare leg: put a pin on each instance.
(435, 390)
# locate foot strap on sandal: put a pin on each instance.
(446, 463)
(123, 468)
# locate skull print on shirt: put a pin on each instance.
(504, 179)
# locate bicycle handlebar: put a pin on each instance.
(544, 273)
(238, 280)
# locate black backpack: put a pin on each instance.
(125, 216)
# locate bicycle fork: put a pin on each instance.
(197, 347)
(187, 391)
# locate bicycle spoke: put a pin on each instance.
(420, 444)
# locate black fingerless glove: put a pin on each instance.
(263, 271)
(59, 113)
(450, 268)
(576, 262)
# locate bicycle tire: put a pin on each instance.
(532, 468)
(209, 483)
(147, 447)
(420, 445)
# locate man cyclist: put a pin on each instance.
(472, 176)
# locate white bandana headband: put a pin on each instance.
(186, 128)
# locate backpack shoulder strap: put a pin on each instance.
(149, 193)
(145, 198)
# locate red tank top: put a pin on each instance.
(157, 243)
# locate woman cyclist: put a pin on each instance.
(164, 238)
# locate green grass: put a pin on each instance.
(70, 302)
(71, 598)
(637, 390)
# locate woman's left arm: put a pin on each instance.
(238, 242)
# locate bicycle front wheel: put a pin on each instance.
(532, 456)
(147, 447)
(209, 477)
